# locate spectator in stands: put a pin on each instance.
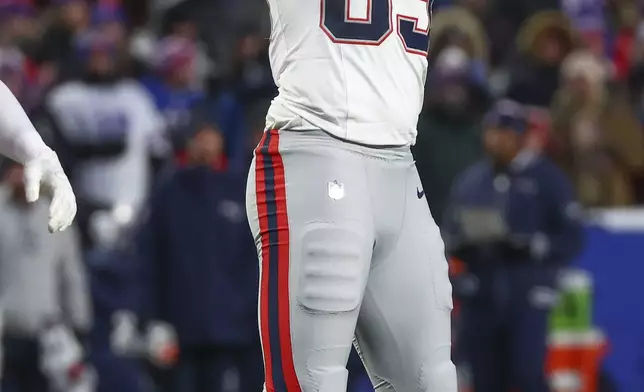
(111, 128)
(235, 119)
(598, 139)
(514, 222)
(543, 42)
(456, 26)
(201, 271)
(503, 21)
(252, 77)
(623, 17)
(42, 280)
(19, 27)
(174, 87)
(71, 19)
(449, 131)
(180, 22)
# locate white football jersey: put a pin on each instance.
(353, 68)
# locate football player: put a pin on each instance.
(348, 248)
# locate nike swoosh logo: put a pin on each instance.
(420, 193)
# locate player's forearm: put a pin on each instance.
(19, 140)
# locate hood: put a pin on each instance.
(462, 20)
(539, 22)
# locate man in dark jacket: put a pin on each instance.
(202, 272)
(514, 222)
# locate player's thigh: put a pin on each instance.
(308, 209)
(404, 330)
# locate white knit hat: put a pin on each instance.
(583, 63)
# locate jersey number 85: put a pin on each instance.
(376, 27)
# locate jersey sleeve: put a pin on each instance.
(19, 140)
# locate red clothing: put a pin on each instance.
(623, 53)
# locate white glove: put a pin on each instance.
(60, 354)
(62, 362)
(124, 338)
(46, 170)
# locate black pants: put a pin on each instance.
(217, 369)
(21, 371)
(503, 329)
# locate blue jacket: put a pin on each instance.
(174, 104)
(535, 201)
(199, 260)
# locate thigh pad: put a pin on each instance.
(334, 264)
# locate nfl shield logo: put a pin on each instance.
(336, 190)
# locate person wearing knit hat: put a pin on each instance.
(175, 58)
(449, 126)
(172, 85)
(98, 54)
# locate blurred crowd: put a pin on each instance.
(155, 107)
(575, 65)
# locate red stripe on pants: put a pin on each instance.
(262, 212)
(283, 244)
(288, 367)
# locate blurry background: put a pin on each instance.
(155, 107)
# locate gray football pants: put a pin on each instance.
(347, 248)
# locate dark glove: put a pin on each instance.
(464, 252)
(465, 285)
(521, 248)
(514, 251)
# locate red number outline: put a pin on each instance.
(415, 21)
(349, 19)
(367, 20)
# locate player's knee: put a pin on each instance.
(439, 374)
(325, 371)
(331, 380)
(443, 378)
(332, 269)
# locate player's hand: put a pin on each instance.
(45, 170)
